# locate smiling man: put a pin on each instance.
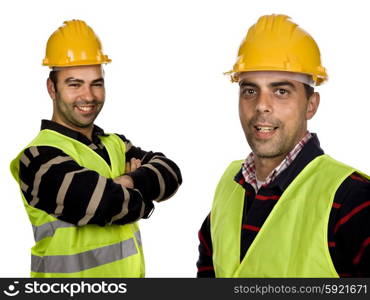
(288, 209)
(77, 101)
(70, 110)
(83, 189)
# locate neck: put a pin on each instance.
(86, 131)
(264, 166)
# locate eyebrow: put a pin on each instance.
(72, 79)
(276, 84)
(101, 79)
(247, 83)
(272, 84)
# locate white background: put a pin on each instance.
(166, 92)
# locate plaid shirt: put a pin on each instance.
(249, 168)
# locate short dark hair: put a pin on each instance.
(309, 90)
(53, 76)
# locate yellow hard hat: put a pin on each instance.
(74, 44)
(275, 43)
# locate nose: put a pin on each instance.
(87, 93)
(264, 104)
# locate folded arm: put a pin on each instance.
(56, 184)
(157, 177)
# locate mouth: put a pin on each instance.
(85, 109)
(265, 131)
(265, 128)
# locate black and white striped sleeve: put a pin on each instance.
(158, 178)
(56, 184)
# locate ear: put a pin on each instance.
(313, 105)
(51, 89)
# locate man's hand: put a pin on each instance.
(125, 180)
(132, 165)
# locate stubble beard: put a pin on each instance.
(268, 148)
(66, 112)
(279, 146)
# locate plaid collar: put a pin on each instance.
(249, 168)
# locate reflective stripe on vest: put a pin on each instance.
(84, 260)
(293, 240)
(48, 229)
(138, 238)
(66, 250)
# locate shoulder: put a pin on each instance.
(122, 137)
(353, 190)
(233, 168)
(354, 185)
(41, 152)
(352, 198)
(127, 142)
(34, 156)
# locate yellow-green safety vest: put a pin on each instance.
(293, 240)
(65, 250)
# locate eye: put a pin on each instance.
(74, 85)
(98, 84)
(248, 92)
(282, 92)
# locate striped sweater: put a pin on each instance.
(75, 187)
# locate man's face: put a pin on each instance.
(79, 96)
(273, 112)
